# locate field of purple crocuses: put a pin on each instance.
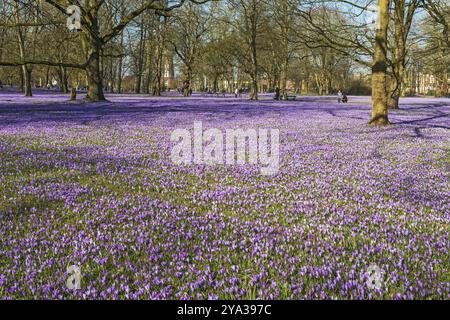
(93, 185)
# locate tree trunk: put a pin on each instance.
(47, 77)
(379, 68)
(215, 83)
(27, 70)
(63, 80)
(283, 80)
(73, 94)
(157, 84)
(285, 47)
(111, 76)
(254, 89)
(159, 57)
(394, 92)
(119, 67)
(148, 74)
(403, 19)
(21, 82)
(93, 71)
(254, 73)
(401, 30)
(444, 87)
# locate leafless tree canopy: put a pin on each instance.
(299, 46)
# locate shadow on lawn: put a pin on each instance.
(50, 107)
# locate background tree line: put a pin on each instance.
(387, 48)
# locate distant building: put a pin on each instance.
(428, 84)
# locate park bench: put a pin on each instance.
(291, 98)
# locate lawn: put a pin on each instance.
(93, 185)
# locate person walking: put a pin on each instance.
(339, 96)
(277, 93)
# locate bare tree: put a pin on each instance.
(379, 67)
(249, 22)
(189, 27)
(96, 34)
(403, 15)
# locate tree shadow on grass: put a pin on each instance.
(132, 108)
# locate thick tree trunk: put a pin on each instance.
(27, 70)
(379, 68)
(394, 92)
(63, 80)
(93, 70)
(93, 45)
(319, 84)
(216, 83)
(189, 77)
(95, 83)
(73, 94)
(137, 86)
(254, 88)
(21, 81)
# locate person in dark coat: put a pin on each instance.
(344, 98)
(277, 94)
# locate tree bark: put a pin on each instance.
(157, 84)
(141, 54)
(285, 46)
(403, 17)
(62, 73)
(254, 73)
(159, 57)
(379, 68)
(21, 82)
(27, 71)
(119, 66)
(47, 77)
(93, 71)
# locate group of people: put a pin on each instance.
(186, 90)
(238, 92)
(208, 91)
(342, 97)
